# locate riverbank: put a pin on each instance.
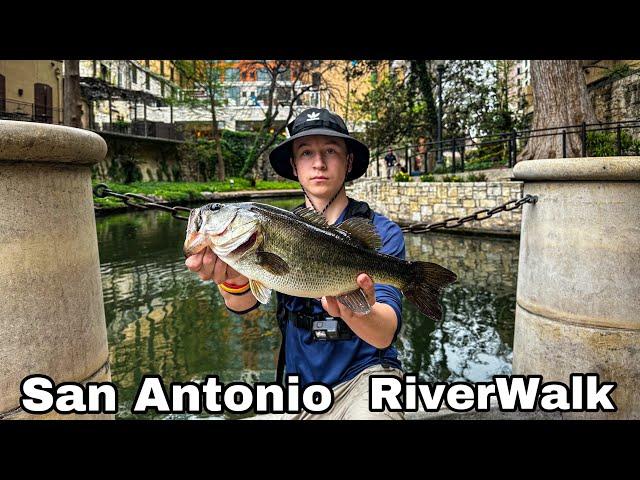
(190, 193)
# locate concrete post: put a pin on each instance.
(578, 294)
(51, 309)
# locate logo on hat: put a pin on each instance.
(313, 116)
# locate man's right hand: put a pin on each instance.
(208, 266)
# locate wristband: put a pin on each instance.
(235, 289)
(242, 312)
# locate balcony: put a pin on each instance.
(28, 112)
(139, 128)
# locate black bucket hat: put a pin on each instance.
(318, 121)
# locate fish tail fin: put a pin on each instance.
(424, 286)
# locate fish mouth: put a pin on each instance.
(246, 245)
(194, 243)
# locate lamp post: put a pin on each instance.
(440, 69)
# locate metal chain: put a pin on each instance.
(143, 203)
(139, 201)
(457, 221)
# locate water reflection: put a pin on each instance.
(162, 319)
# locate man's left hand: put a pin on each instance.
(336, 309)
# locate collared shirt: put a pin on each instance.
(337, 361)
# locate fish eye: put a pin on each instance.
(213, 207)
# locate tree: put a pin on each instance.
(560, 99)
(288, 81)
(204, 76)
(405, 102)
(72, 96)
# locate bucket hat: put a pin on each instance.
(318, 121)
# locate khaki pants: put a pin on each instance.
(351, 400)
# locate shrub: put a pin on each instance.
(401, 177)
(605, 144)
(480, 177)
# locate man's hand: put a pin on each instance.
(377, 327)
(208, 266)
(336, 309)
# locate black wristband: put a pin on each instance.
(242, 312)
(238, 294)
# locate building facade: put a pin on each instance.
(31, 90)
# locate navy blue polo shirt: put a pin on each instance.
(335, 362)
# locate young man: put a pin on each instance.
(391, 161)
(322, 155)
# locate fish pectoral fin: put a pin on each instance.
(272, 263)
(363, 231)
(356, 301)
(260, 291)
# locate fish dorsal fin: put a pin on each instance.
(311, 216)
(363, 231)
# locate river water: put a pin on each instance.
(162, 319)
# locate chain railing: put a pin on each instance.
(138, 201)
(477, 216)
(141, 202)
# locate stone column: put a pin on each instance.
(578, 294)
(51, 308)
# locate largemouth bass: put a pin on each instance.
(298, 253)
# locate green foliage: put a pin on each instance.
(451, 178)
(619, 71)
(186, 191)
(480, 177)
(487, 156)
(427, 177)
(605, 144)
(401, 177)
(236, 148)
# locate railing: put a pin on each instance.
(141, 128)
(502, 149)
(28, 112)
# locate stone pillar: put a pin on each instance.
(51, 309)
(578, 294)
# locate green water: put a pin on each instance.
(162, 319)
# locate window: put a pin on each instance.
(244, 76)
(134, 74)
(315, 79)
(233, 94)
(162, 89)
(43, 107)
(119, 77)
(231, 74)
(263, 75)
(171, 75)
(162, 67)
(147, 81)
(284, 75)
(104, 72)
(283, 94)
(221, 124)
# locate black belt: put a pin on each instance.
(322, 326)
